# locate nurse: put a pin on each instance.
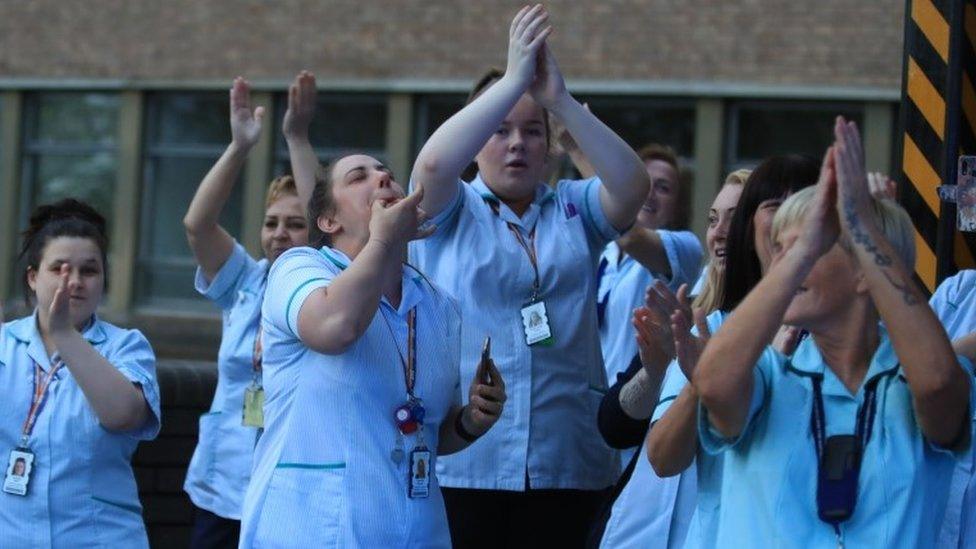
(361, 372)
(507, 246)
(79, 395)
(221, 465)
(852, 439)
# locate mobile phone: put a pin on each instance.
(485, 358)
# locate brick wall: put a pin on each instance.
(824, 43)
(186, 388)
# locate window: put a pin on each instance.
(641, 120)
(760, 129)
(70, 149)
(430, 111)
(185, 134)
(343, 123)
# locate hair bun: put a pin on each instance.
(67, 208)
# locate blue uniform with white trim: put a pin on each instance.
(548, 433)
(221, 465)
(323, 473)
(770, 471)
(954, 302)
(82, 491)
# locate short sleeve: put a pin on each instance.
(711, 440)
(293, 277)
(684, 253)
(134, 358)
(232, 275)
(583, 198)
(674, 382)
(446, 220)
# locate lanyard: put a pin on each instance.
(256, 353)
(865, 416)
(601, 304)
(41, 384)
(410, 362)
(527, 246)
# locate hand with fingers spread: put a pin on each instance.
(245, 123)
(301, 107)
(398, 222)
(687, 346)
(486, 399)
(525, 39)
(882, 187)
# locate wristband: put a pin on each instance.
(461, 431)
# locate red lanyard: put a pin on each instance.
(410, 362)
(528, 247)
(258, 349)
(41, 384)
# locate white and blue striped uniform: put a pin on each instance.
(221, 464)
(954, 302)
(323, 472)
(82, 491)
(621, 287)
(548, 433)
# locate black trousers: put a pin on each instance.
(534, 518)
(211, 531)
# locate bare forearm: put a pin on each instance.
(724, 376)
(939, 386)
(214, 190)
(452, 147)
(304, 164)
(118, 404)
(673, 440)
(647, 248)
(625, 181)
(639, 395)
(966, 346)
(449, 441)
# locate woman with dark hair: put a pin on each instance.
(507, 246)
(79, 395)
(361, 369)
(672, 442)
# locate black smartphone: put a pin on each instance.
(485, 358)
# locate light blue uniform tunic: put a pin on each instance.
(954, 302)
(770, 471)
(548, 432)
(82, 491)
(323, 474)
(221, 464)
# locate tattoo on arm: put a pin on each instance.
(636, 396)
(882, 260)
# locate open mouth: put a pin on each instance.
(720, 253)
(516, 164)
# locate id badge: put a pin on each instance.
(419, 473)
(254, 406)
(535, 320)
(840, 467)
(18, 472)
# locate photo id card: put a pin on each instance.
(419, 473)
(18, 472)
(535, 320)
(254, 406)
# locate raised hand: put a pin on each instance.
(399, 222)
(820, 226)
(525, 38)
(786, 339)
(245, 124)
(853, 192)
(548, 86)
(688, 348)
(486, 399)
(59, 314)
(301, 107)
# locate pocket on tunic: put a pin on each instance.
(303, 506)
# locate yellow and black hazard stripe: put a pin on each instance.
(938, 121)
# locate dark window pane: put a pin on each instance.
(186, 135)
(430, 112)
(765, 130)
(641, 121)
(89, 119)
(187, 118)
(88, 178)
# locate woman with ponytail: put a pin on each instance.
(78, 396)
